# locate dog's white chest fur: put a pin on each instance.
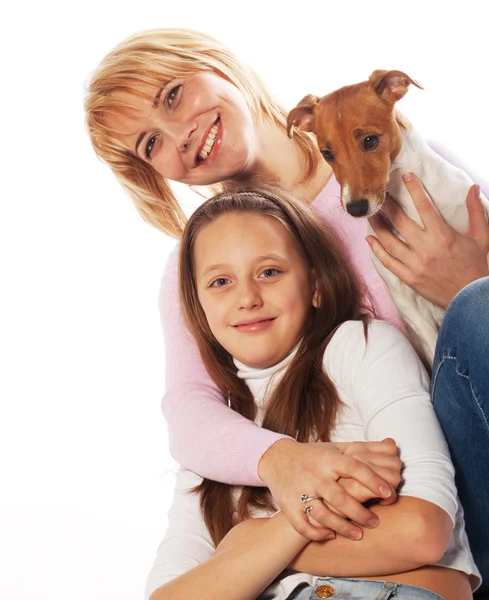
(447, 186)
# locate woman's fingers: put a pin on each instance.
(478, 219)
(382, 457)
(321, 513)
(309, 528)
(362, 494)
(428, 213)
(291, 469)
(386, 447)
(385, 247)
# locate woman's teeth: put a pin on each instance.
(209, 143)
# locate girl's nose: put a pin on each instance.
(249, 296)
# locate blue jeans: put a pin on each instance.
(361, 589)
(460, 391)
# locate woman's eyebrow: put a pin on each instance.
(157, 97)
(139, 140)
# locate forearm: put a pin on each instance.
(243, 567)
(210, 439)
(411, 533)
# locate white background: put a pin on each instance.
(85, 476)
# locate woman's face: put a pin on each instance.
(254, 286)
(197, 130)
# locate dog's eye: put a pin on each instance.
(370, 142)
(327, 155)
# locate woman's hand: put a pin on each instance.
(437, 262)
(386, 464)
(290, 469)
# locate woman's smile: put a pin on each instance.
(211, 141)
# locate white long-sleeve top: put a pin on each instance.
(385, 393)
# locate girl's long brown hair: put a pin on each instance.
(304, 403)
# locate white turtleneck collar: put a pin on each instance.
(246, 372)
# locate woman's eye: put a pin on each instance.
(150, 144)
(173, 95)
(220, 282)
(269, 273)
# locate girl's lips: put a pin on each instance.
(254, 326)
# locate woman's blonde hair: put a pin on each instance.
(153, 58)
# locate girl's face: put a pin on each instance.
(254, 286)
(197, 130)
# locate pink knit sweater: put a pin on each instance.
(205, 435)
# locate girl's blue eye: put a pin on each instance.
(219, 282)
(269, 273)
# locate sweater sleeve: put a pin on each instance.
(389, 389)
(204, 435)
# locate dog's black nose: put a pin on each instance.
(358, 208)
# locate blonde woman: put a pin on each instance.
(176, 105)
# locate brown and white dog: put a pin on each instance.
(369, 146)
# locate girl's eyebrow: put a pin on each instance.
(217, 267)
(224, 266)
(156, 101)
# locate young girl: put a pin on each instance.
(176, 105)
(278, 316)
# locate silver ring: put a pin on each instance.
(308, 509)
(306, 498)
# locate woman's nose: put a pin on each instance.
(182, 132)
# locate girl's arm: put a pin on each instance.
(186, 566)
(242, 570)
(389, 388)
(411, 533)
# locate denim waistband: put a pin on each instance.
(361, 589)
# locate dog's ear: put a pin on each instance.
(302, 115)
(391, 86)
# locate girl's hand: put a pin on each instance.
(437, 262)
(290, 469)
